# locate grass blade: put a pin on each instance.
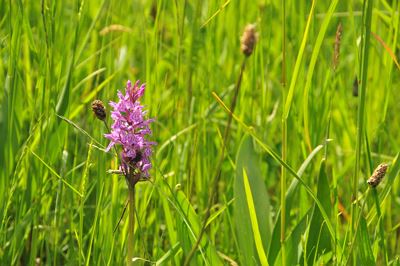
(310, 72)
(293, 81)
(254, 222)
(318, 240)
(57, 175)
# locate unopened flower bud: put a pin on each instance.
(99, 110)
(249, 39)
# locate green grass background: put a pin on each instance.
(60, 207)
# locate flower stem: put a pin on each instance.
(131, 230)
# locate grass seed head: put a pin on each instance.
(336, 53)
(99, 109)
(249, 39)
(378, 175)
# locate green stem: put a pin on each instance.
(283, 191)
(284, 138)
(131, 230)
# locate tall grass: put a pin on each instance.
(278, 198)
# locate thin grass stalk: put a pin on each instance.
(361, 109)
(217, 175)
(284, 139)
(332, 89)
(82, 200)
(283, 190)
(327, 136)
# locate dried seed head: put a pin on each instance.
(249, 39)
(377, 175)
(336, 53)
(99, 110)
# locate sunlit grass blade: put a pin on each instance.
(56, 174)
(90, 96)
(168, 255)
(310, 73)
(295, 74)
(247, 160)
(88, 78)
(81, 130)
(254, 222)
(387, 48)
(216, 13)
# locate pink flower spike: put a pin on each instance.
(129, 130)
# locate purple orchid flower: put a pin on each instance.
(129, 130)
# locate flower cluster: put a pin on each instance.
(129, 130)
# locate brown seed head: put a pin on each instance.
(249, 39)
(99, 110)
(338, 38)
(377, 175)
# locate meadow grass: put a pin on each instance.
(277, 178)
